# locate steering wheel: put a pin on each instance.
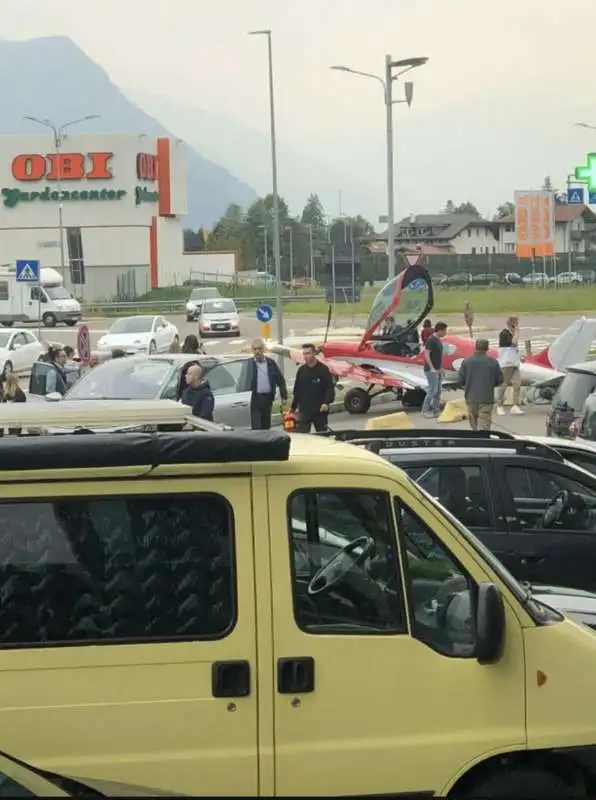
(335, 570)
(555, 509)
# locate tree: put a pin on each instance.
(313, 213)
(449, 207)
(506, 209)
(462, 208)
(194, 241)
(547, 185)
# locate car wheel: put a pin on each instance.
(357, 401)
(8, 324)
(49, 320)
(70, 322)
(152, 348)
(521, 782)
(7, 370)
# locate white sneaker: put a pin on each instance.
(516, 411)
(500, 411)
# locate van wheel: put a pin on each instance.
(7, 371)
(49, 320)
(70, 322)
(8, 324)
(524, 783)
(357, 401)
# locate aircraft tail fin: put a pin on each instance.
(570, 347)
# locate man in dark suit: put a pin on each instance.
(263, 379)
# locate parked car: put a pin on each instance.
(140, 334)
(219, 317)
(536, 279)
(196, 299)
(157, 377)
(19, 349)
(513, 279)
(460, 279)
(566, 279)
(486, 279)
(568, 402)
(534, 509)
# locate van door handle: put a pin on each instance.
(230, 679)
(295, 675)
(240, 403)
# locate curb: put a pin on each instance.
(337, 407)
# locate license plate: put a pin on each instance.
(220, 327)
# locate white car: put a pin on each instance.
(219, 317)
(19, 350)
(142, 334)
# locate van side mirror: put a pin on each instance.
(490, 624)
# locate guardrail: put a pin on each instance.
(178, 306)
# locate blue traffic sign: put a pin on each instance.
(575, 197)
(592, 199)
(264, 313)
(28, 270)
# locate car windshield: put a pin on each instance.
(574, 390)
(57, 293)
(132, 325)
(218, 307)
(4, 338)
(201, 294)
(123, 379)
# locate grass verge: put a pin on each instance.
(511, 300)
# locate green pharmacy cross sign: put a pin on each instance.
(587, 173)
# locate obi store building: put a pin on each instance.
(105, 211)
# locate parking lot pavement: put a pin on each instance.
(532, 423)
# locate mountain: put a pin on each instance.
(246, 152)
(52, 78)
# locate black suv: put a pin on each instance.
(534, 509)
(568, 402)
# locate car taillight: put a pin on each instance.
(574, 430)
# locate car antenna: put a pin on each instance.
(329, 314)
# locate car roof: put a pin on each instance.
(565, 444)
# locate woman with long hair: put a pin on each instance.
(192, 346)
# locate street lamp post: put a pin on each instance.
(291, 232)
(58, 139)
(585, 125)
(276, 242)
(311, 253)
(404, 65)
(265, 251)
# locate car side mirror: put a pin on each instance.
(490, 623)
(53, 397)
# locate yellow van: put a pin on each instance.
(249, 613)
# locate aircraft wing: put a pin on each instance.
(390, 376)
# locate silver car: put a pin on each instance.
(155, 377)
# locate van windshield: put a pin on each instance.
(574, 390)
(57, 293)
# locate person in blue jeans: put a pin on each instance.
(433, 370)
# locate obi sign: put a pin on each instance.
(534, 224)
(146, 167)
(62, 167)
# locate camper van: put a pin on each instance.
(47, 301)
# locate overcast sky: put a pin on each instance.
(503, 87)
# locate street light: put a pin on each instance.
(58, 139)
(585, 125)
(265, 253)
(276, 242)
(311, 252)
(291, 232)
(404, 65)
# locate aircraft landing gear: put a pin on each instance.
(357, 401)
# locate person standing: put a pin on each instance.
(314, 392)
(479, 375)
(510, 362)
(263, 378)
(427, 331)
(433, 371)
(198, 394)
(469, 318)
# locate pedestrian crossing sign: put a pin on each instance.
(27, 270)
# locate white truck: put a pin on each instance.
(47, 300)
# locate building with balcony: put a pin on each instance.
(575, 231)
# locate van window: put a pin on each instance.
(115, 570)
(346, 577)
(574, 390)
(440, 592)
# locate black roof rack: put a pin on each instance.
(378, 440)
(70, 451)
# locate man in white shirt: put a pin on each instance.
(264, 378)
(509, 361)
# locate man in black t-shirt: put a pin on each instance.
(433, 372)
